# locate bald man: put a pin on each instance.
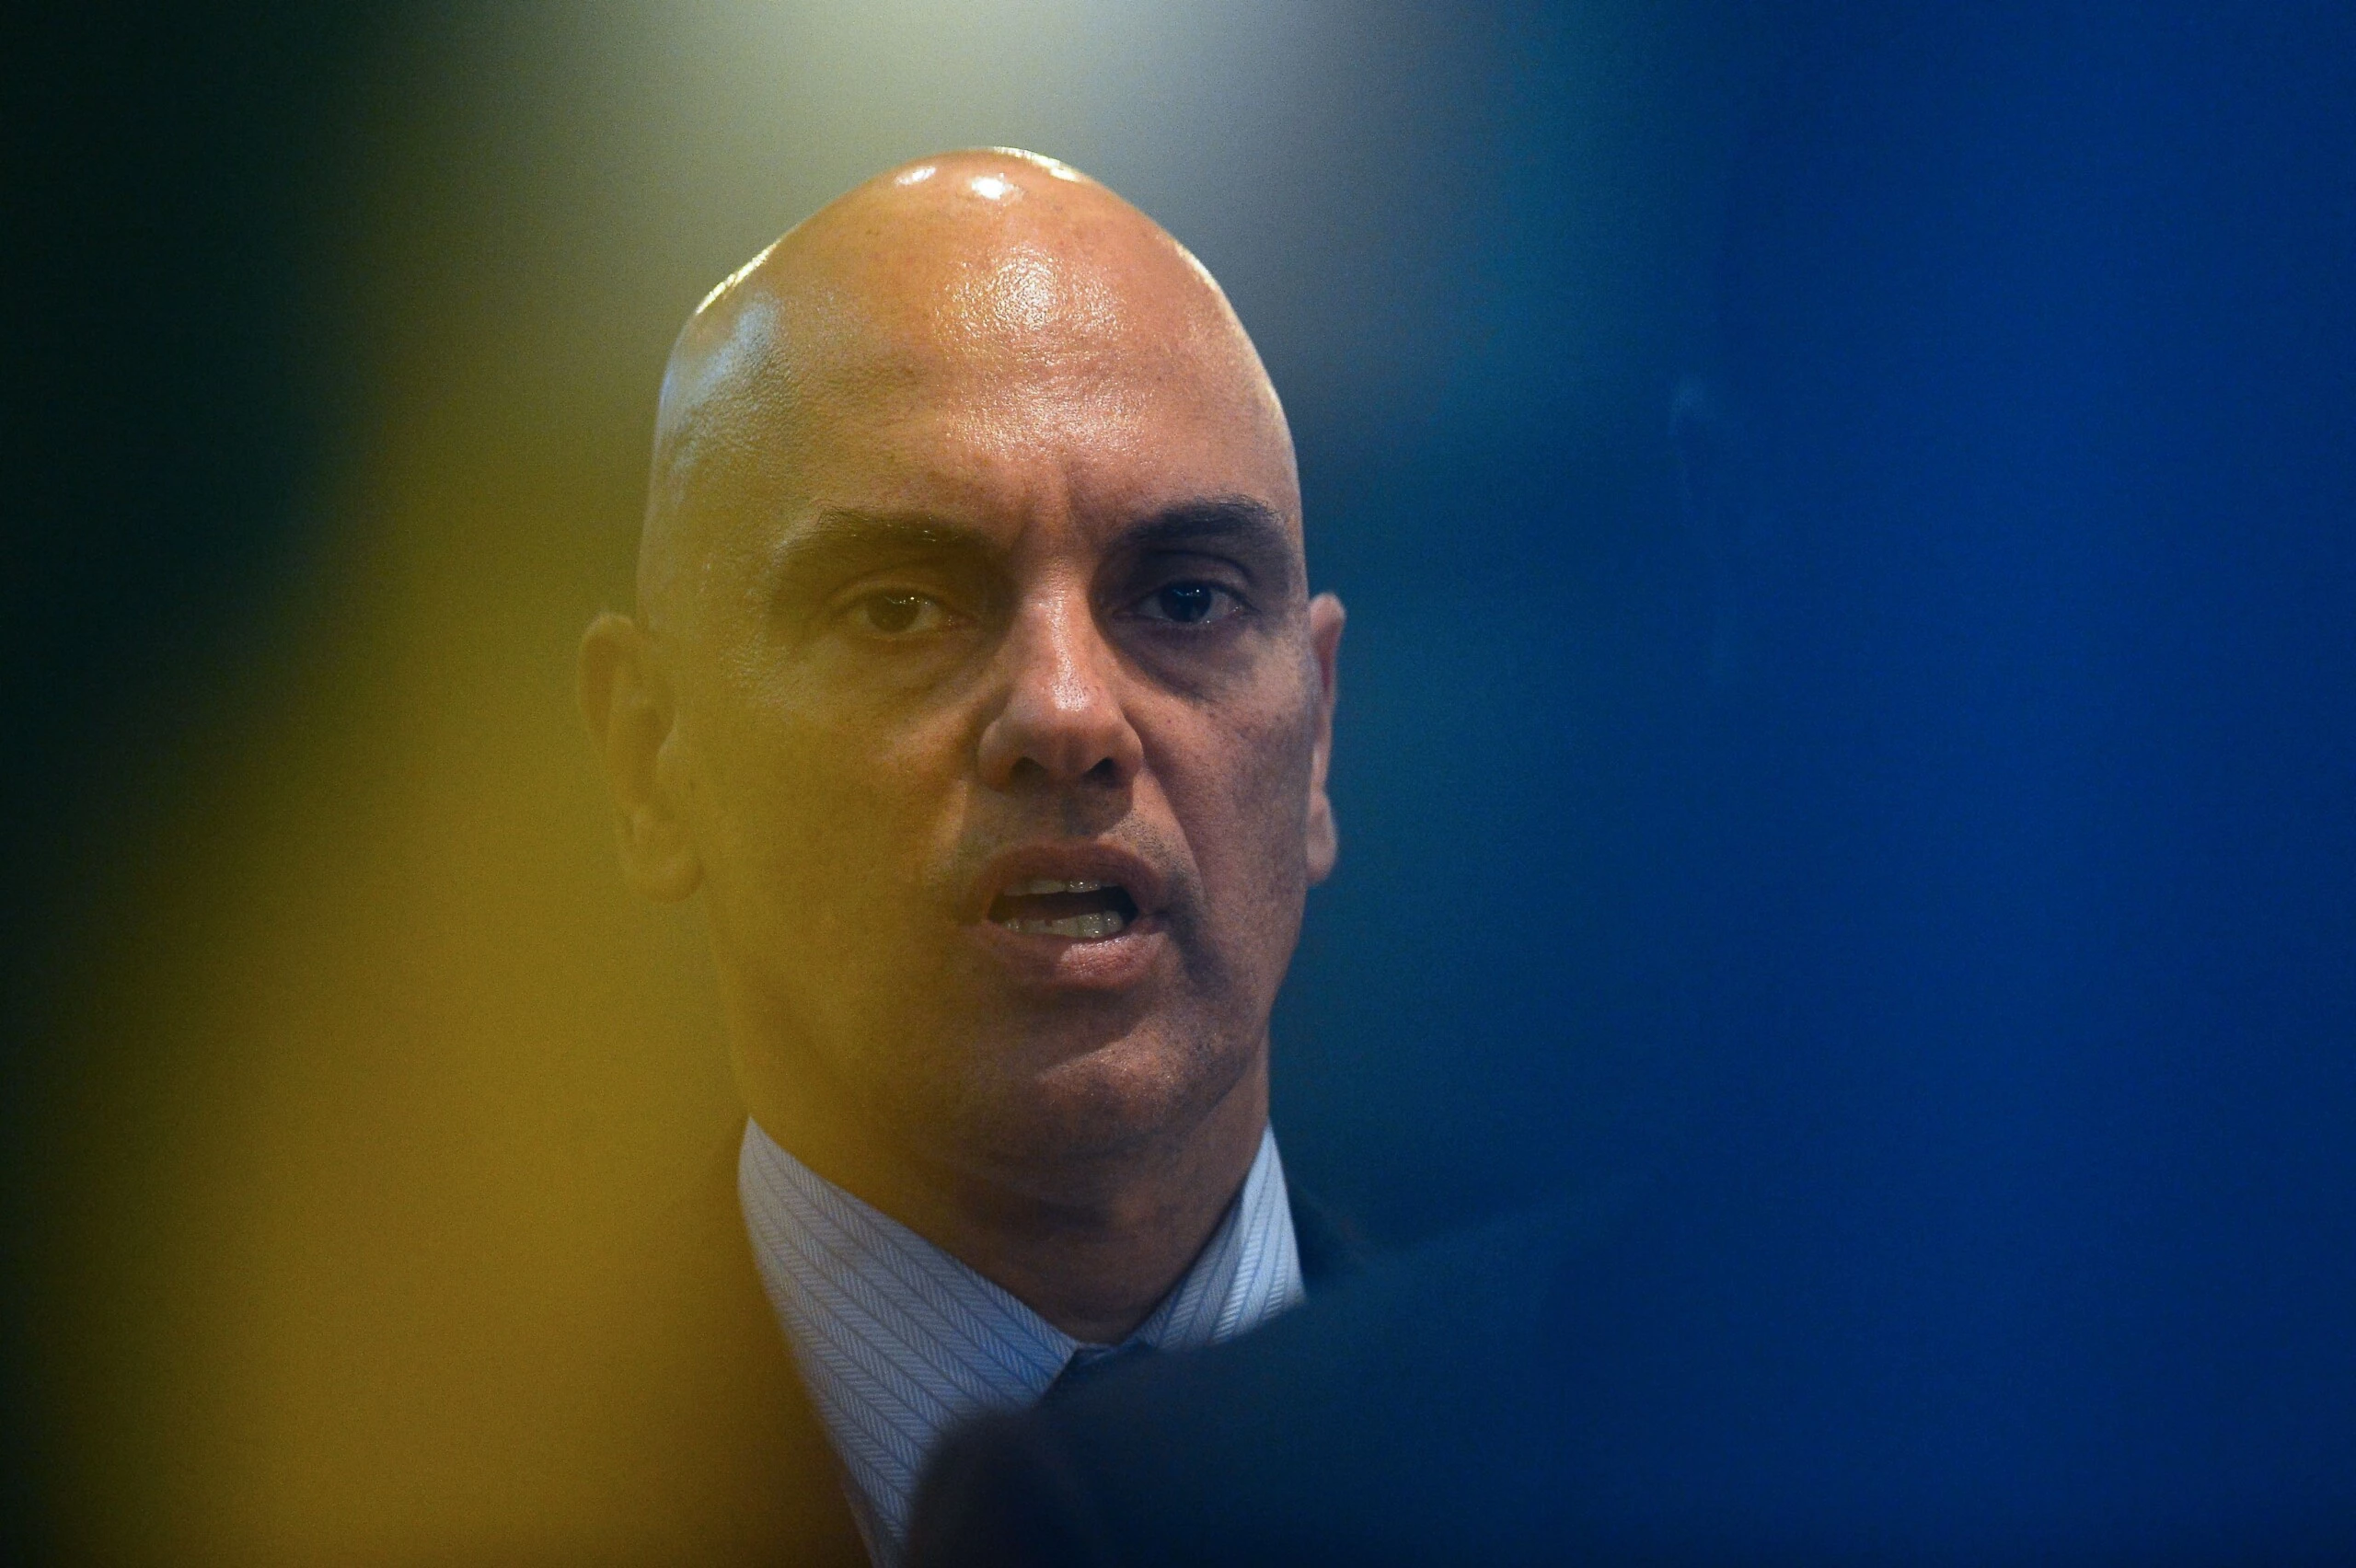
(976, 684)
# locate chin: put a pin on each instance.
(1106, 1100)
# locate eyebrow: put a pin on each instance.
(838, 543)
(1208, 520)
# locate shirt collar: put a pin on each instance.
(897, 1340)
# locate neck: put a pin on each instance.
(1091, 1243)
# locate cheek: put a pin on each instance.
(822, 823)
(1243, 799)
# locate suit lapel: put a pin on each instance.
(784, 1501)
(1328, 1243)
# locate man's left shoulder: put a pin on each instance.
(1329, 1243)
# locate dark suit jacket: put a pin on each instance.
(745, 1459)
(1696, 1377)
(1361, 1429)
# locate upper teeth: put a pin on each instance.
(1079, 928)
(1037, 885)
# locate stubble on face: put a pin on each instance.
(1032, 383)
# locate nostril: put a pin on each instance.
(1027, 744)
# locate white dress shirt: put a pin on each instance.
(897, 1340)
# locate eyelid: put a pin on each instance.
(890, 582)
(1137, 604)
(929, 617)
(845, 614)
(844, 603)
(1164, 568)
(1179, 563)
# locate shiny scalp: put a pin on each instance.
(994, 250)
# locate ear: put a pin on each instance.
(631, 722)
(1326, 617)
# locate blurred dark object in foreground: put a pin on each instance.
(2025, 1229)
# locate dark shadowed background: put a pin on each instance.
(1847, 560)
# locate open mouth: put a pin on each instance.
(1083, 909)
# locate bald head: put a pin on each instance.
(977, 685)
(981, 286)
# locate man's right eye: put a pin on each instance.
(895, 613)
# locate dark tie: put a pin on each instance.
(1089, 1363)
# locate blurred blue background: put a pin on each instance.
(1844, 512)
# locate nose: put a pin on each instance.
(1062, 720)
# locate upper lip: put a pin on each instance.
(1079, 861)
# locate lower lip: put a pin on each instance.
(1105, 963)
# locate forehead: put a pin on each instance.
(1002, 389)
(998, 443)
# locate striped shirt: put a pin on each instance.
(897, 1341)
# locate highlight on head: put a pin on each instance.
(972, 252)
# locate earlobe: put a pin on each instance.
(632, 719)
(1324, 839)
(1325, 621)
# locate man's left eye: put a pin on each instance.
(1188, 604)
